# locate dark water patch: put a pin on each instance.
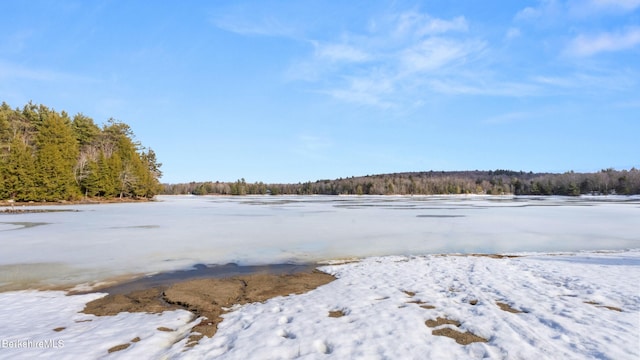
(136, 227)
(451, 208)
(541, 205)
(411, 207)
(441, 216)
(378, 206)
(370, 204)
(568, 203)
(23, 225)
(273, 202)
(456, 208)
(244, 215)
(201, 271)
(298, 201)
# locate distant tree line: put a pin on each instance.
(49, 156)
(608, 181)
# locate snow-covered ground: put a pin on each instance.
(579, 305)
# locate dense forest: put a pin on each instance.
(609, 181)
(49, 156)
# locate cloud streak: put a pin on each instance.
(402, 60)
(590, 45)
(418, 24)
(390, 63)
(267, 26)
(340, 52)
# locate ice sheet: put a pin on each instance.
(99, 242)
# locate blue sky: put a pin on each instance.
(291, 91)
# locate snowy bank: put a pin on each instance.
(572, 305)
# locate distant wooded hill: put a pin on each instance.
(49, 156)
(495, 182)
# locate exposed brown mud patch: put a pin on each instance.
(208, 299)
(495, 256)
(422, 304)
(597, 304)
(442, 321)
(118, 348)
(462, 338)
(149, 300)
(506, 307)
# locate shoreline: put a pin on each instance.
(131, 282)
(198, 272)
(87, 201)
(116, 200)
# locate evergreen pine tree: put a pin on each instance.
(57, 152)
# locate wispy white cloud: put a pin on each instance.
(340, 52)
(483, 86)
(564, 82)
(589, 45)
(528, 13)
(419, 24)
(374, 89)
(326, 57)
(547, 10)
(435, 53)
(513, 33)
(400, 60)
(389, 62)
(591, 80)
(267, 26)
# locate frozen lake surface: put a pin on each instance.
(92, 243)
(564, 298)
